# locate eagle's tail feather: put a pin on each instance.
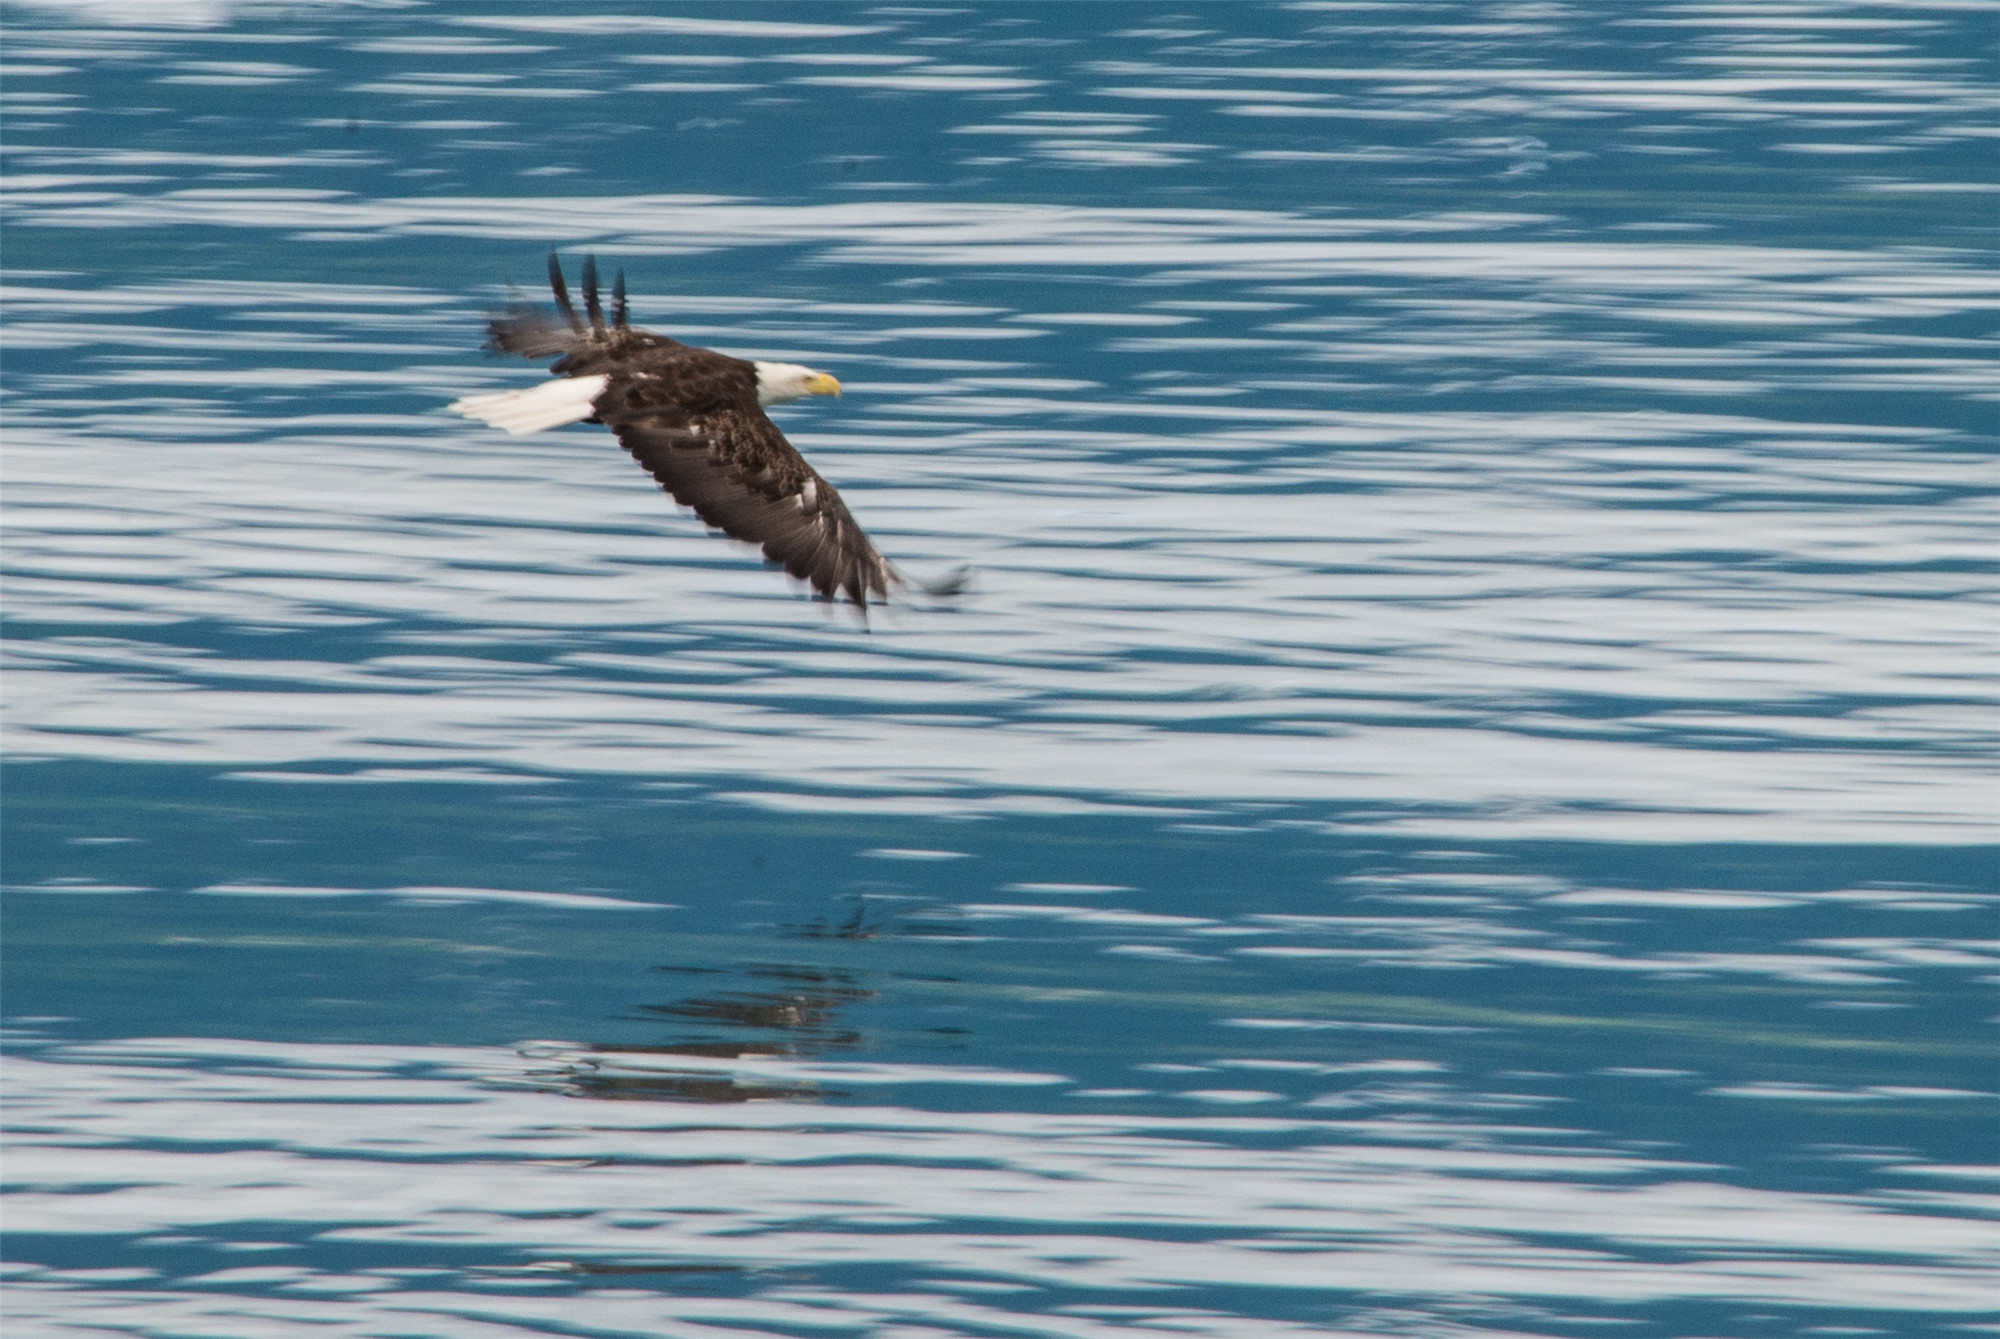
(549, 405)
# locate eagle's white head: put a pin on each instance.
(779, 382)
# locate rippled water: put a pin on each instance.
(1459, 802)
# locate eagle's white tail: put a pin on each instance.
(549, 405)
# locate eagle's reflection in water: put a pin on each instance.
(795, 1016)
(801, 1010)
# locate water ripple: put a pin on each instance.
(1191, 1203)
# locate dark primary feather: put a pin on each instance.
(561, 290)
(590, 301)
(691, 417)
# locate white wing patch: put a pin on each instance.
(549, 405)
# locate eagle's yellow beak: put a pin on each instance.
(822, 384)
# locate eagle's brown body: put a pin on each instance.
(693, 418)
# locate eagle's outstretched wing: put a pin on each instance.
(739, 474)
(691, 416)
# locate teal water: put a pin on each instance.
(1459, 802)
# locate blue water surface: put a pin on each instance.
(1458, 802)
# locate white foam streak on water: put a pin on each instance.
(604, 1312)
(437, 896)
(322, 1140)
(622, 25)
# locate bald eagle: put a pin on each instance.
(695, 419)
